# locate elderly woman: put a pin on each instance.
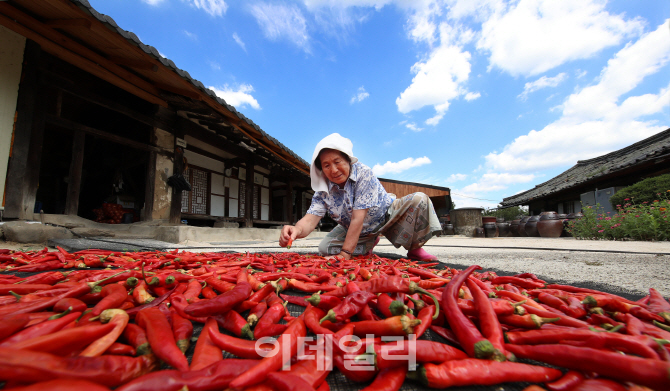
(353, 196)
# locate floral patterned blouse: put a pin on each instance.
(361, 191)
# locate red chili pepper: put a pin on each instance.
(467, 333)
(182, 329)
(642, 371)
(22, 289)
(121, 349)
(116, 317)
(137, 338)
(207, 293)
(206, 352)
(225, 301)
(70, 303)
(567, 382)
(257, 312)
(349, 307)
(270, 364)
(488, 320)
(236, 324)
(470, 372)
(268, 324)
(63, 385)
(530, 321)
(658, 305)
(239, 347)
(161, 338)
(287, 382)
(65, 341)
(193, 290)
(522, 282)
(323, 302)
(38, 330)
(564, 320)
(423, 351)
(141, 295)
(11, 324)
(214, 377)
(401, 325)
(113, 296)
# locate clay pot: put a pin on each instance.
(488, 219)
(491, 230)
(514, 227)
(504, 230)
(550, 226)
(479, 232)
(531, 226)
(522, 226)
(500, 219)
(449, 229)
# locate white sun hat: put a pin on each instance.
(332, 141)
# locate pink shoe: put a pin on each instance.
(373, 246)
(420, 255)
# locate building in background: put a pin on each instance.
(90, 115)
(594, 181)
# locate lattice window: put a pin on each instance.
(257, 208)
(243, 198)
(198, 195)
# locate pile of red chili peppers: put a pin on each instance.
(100, 320)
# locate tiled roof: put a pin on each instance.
(590, 170)
(132, 38)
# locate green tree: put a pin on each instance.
(647, 190)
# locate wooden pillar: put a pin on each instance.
(74, 179)
(178, 167)
(24, 163)
(249, 194)
(298, 204)
(150, 181)
(289, 203)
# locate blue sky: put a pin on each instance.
(486, 97)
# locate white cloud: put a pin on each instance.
(153, 2)
(190, 35)
(412, 126)
(438, 80)
(282, 22)
(493, 181)
(470, 96)
(237, 98)
(214, 65)
(593, 121)
(534, 36)
(456, 177)
(360, 95)
(212, 7)
(542, 82)
(239, 41)
(397, 167)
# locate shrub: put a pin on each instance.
(644, 221)
(646, 190)
(511, 213)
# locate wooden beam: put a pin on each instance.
(150, 182)
(74, 179)
(177, 168)
(289, 203)
(26, 106)
(133, 63)
(62, 47)
(179, 91)
(67, 23)
(67, 124)
(73, 88)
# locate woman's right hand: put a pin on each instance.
(288, 234)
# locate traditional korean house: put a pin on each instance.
(92, 116)
(439, 196)
(594, 181)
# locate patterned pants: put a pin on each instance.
(410, 222)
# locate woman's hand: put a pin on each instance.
(288, 234)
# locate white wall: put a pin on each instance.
(11, 57)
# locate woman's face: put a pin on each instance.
(335, 166)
